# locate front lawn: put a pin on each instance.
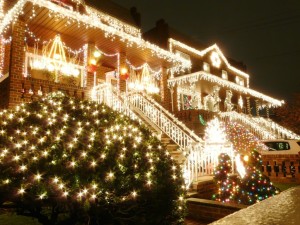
(13, 219)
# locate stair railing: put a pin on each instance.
(261, 127)
(169, 124)
(190, 144)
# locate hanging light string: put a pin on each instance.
(157, 73)
(106, 54)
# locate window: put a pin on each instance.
(206, 67)
(183, 55)
(278, 145)
(240, 81)
(224, 75)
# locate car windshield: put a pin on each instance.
(278, 145)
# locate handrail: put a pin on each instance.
(264, 128)
(137, 104)
(278, 129)
(158, 116)
(104, 94)
(174, 119)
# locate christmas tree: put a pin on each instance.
(254, 186)
(225, 181)
(249, 185)
(66, 161)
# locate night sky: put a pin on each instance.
(263, 34)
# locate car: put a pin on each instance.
(281, 146)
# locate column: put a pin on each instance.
(17, 60)
(257, 107)
(248, 105)
(89, 48)
(165, 92)
(123, 65)
(267, 111)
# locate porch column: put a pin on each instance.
(90, 79)
(248, 105)
(123, 65)
(267, 111)
(165, 92)
(17, 60)
(257, 107)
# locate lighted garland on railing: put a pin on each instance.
(174, 119)
(194, 77)
(274, 126)
(245, 119)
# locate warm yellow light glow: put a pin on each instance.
(240, 166)
(97, 54)
(93, 61)
(124, 70)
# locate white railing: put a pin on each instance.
(198, 163)
(277, 129)
(103, 93)
(261, 127)
(177, 131)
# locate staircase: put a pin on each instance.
(179, 140)
(261, 127)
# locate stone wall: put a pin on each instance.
(208, 211)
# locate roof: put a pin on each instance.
(113, 9)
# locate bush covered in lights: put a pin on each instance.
(66, 161)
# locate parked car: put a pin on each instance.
(281, 146)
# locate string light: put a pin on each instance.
(194, 77)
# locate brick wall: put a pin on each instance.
(17, 60)
(191, 119)
(4, 93)
(282, 168)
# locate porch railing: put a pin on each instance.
(261, 127)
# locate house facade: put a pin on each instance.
(67, 45)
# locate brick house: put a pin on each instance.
(68, 45)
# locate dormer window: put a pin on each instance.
(206, 67)
(240, 81)
(224, 75)
(183, 55)
(215, 59)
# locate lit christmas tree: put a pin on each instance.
(254, 186)
(81, 160)
(225, 181)
(250, 185)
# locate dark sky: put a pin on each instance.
(264, 34)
